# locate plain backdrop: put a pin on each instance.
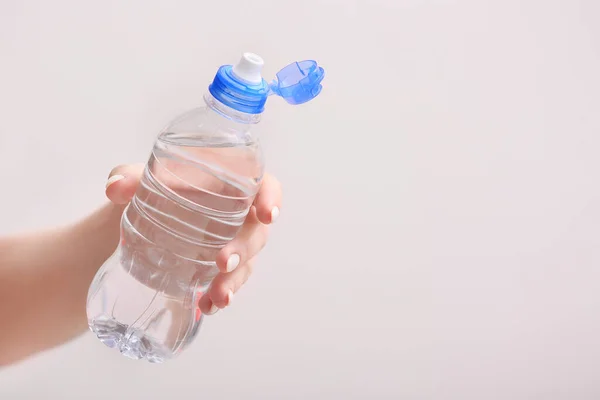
(440, 235)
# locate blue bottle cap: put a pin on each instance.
(237, 93)
(240, 87)
(299, 82)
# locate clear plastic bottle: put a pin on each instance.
(197, 188)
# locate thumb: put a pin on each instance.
(123, 182)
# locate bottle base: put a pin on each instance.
(130, 342)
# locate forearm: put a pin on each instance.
(44, 280)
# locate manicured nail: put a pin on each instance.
(113, 179)
(213, 309)
(274, 214)
(232, 262)
(229, 297)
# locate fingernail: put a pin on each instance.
(232, 262)
(213, 309)
(113, 179)
(274, 214)
(229, 297)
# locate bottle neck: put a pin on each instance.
(229, 113)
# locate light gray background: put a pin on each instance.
(440, 234)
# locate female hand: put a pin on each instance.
(236, 259)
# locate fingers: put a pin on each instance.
(268, 200)
(251, 239)
(223, 288)
(122, 182)
(236, 259)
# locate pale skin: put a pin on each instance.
(44, 276)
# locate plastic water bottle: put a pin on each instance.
(197, 188)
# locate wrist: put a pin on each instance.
(97, 236)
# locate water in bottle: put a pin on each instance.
(197, 188)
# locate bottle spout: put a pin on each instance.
(249, 68)
(299, 82)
